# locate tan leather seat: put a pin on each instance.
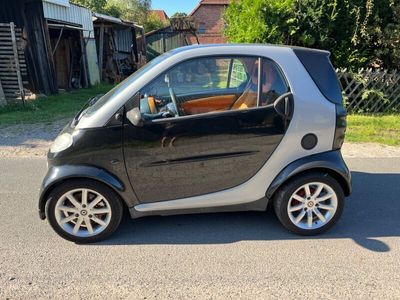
(246, 100)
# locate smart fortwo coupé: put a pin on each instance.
(205, 129)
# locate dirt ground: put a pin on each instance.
(34, 141)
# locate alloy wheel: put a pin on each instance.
(83, 212)
(312, 205)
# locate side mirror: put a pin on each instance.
(135, 117)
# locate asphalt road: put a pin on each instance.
(246, 255)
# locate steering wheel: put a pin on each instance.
(173, 97)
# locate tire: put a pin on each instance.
(95, 220)
(289, 207)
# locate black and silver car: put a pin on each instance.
(205, 129)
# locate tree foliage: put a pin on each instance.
(153, 22)
(359, 33)
(179, 15)
(137, 11)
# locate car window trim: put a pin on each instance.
(222, 56)
(259, 82)
(228, 83)
(216, 113)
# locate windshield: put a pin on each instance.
(124, 84)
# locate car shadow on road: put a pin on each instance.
(370, 213)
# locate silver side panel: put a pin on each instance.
(312, 114)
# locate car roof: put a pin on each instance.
(250, 46)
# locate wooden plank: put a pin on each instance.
(8, 28)
(3, 100)
(7, 81)
(9, 71)
(84, 61)
(22, 65)
(6, 60)
(6, 34)
(21, 87)
(9, 47)
(101, 46)
(4, 54)
(11, 86)
(5, 57)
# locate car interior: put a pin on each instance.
(209, 85)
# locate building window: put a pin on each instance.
(202, 28)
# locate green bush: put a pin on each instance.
(359, 33)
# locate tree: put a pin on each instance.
(94, 5)
(179, 15)
(101, 6)
(130, 10)
(153, 22)
(359, 33)
(136, 11)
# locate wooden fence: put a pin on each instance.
(160, 42)
(370, 91)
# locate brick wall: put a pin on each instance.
(210, 16)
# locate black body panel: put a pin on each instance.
(194, 155)
(331, 161)
(96, 154)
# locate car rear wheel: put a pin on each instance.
(84, 211)
(310, 204)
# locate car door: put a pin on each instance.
(214, 143)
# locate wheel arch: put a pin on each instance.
(331, 163)
(59, 175)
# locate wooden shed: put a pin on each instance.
(55, 44)
(119, 54)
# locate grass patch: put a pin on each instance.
(51, 108)
(383, 129)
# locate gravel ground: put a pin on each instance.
(27, 140)
(34, 141)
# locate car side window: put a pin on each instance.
(273, 83)
(202, 85)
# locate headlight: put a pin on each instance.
(62, 142)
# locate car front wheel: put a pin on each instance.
(84, 211)
(310, 204)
